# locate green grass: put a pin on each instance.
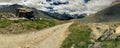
(39, 24)
(23, 26)
(79, 37)
(4, 24)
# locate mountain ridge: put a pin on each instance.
(37, 13)
(109, 14)
(71, 7)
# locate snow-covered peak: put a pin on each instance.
(63, 6)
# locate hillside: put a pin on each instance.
(100, 30)
(110, 14)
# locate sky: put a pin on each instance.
(63, 6)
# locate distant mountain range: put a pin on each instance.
(64, 9)
(71, 7)
(37, 13)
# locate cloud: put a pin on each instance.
(63, 6)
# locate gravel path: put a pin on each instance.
(46, 38)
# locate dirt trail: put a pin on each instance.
(47, 38)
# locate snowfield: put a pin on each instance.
(63, 6)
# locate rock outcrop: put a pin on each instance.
(25, 12)
(103, 32)
(98, 30)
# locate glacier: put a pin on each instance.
(71, 7)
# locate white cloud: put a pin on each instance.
(74, 6)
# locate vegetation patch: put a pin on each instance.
(23, 26)
(111, 43)
(79, 37)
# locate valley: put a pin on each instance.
(59, 24)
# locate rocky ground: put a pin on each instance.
(103, 32)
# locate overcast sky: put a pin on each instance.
(77, 6)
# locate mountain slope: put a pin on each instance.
(37, 13)
(110, 14)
